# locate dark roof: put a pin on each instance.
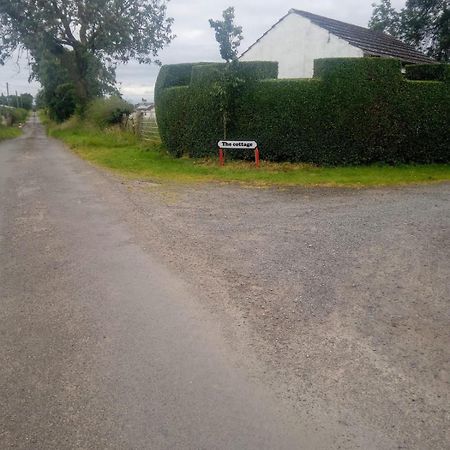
(372, 43)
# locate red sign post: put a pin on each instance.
(240, 145)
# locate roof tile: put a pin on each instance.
(372, 43)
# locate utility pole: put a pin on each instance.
(7, 93)
(17, 100)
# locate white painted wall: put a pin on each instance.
(295, 43)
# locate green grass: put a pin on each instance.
(9, 132)
(124, 154)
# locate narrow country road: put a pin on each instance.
(101, 346)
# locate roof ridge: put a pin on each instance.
(307, 13)
(372, 42)
(383, 39)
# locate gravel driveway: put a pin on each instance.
(342, 295)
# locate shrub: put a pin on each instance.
(108, 111)
(19, 115)
(431, 72)
(13, 116)
(62, 102)
(356, 111)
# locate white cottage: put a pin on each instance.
(300, 37)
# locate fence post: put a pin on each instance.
(139, 117)
(124, 122)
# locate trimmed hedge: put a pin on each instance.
(431, 72)
(356, 111)
(360, 70)
(174, 75)
(172, 112)
(203, 74)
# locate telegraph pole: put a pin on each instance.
(7, 93)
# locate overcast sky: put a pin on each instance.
(195, 39)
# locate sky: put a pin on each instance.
(195, 39)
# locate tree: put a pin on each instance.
(424, 24)
(228, 35)
(87, 37)
(40, 100)
(24, 101)
(385, 18)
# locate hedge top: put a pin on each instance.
(429, 72)
(386, 70)
(184, 74)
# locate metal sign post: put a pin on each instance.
(239, 145)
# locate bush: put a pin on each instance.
(430, 72)
(19, 115)
(62, 102)
(104, 112)
(356, 111)
(13, 116)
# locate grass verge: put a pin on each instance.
(9, 132)
(124, 154)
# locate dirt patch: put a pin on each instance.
(343, 295)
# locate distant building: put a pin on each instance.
(146, 108)
(300, 37)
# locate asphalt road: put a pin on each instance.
(101, 346)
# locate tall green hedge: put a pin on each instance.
(359, 70)
(251, 71)
(355, 111)
(172, 112)
(429, 72)
(174, 75)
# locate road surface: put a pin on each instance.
(101, 345)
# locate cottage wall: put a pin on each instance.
(295, 43)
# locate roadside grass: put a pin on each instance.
(9, 132)
(126, 155)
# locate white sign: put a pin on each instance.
(252, 145)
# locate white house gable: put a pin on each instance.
(295, 42)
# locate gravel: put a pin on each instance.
(342, 295)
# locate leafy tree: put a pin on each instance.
(23, 101)
(228, 35)
(58, 94)
(385, 18)
(26, 101)
(86, 37)
(425, 24)
(40, 100)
